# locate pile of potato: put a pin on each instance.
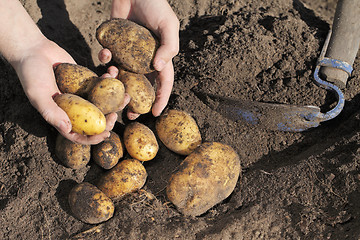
(209, 171)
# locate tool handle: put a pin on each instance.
(344, 41)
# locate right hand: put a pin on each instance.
(36, 75)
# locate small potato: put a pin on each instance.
(127, 176)
(140, 142)
(84, 116)
(108, 95)
(107, 153)
(178, 131)
(75, 79)
(89, 204)
(205, 178)
(141, 91)
(132, 46)
(72, 155)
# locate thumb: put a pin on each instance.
(169, 47)
(53, 114)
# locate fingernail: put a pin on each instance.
(159, 65)
(64, 127)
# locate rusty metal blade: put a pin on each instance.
(277, 117)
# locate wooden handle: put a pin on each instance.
(345, 40)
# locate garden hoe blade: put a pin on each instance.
(280, 117)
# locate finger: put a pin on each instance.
(169, 35)
(132, 115)
(126, 101)
(113, 71)
(105, 55)
(165, 81)
(120, 9)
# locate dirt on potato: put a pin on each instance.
(294, 185)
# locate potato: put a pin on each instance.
(107, 153)
(108, 95)
(141, 91)
(84, 116)
(205, 178)
(72, 155)
(127, 176)
(140, 142)
(75, 79)
(89, 204)
(178, 131)
(132, 46)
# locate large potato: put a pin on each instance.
(75, 79)
(132, 46)
(84, 116)
(108, 95)
(141, 91)
(127, 176)
(178, 131)
(205, 177)
(107, 153)
(89, 204)
(140, 142)
(72, 155)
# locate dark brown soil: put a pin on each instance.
(294, 185)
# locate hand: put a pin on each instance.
(157, 16)
(35, 72)
(33, 57)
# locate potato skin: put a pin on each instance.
(89, 204)
(132, 46)
(140, 141)
(178, 131)
(84, 116)
(127, 176)
(75, 79)
(205, 177)
(141, 91)
(107, 153)
(72, 155)
(108, 95)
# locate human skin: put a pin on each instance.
(33, 57)
(157, 16)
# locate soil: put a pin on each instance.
(302, 185)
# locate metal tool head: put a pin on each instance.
(278, 117)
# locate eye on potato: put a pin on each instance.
(84, 116)
(205, 178)
(75, 79)
(140, 142)
(108, 95)
(72, 155)
(127, 176)
(178, 131)
(132, 46)
(141, 91)
(107, 153)
(89, 204)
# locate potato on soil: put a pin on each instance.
(141, 91)
(127, 176)
(140, 141)
(178, 131)
(205, 178)
(72, 155)
(107, 153)
(75, 79)
(108, 95)
(132, 46)
(84, 116)
(89, 204)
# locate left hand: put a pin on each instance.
(157, 16)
